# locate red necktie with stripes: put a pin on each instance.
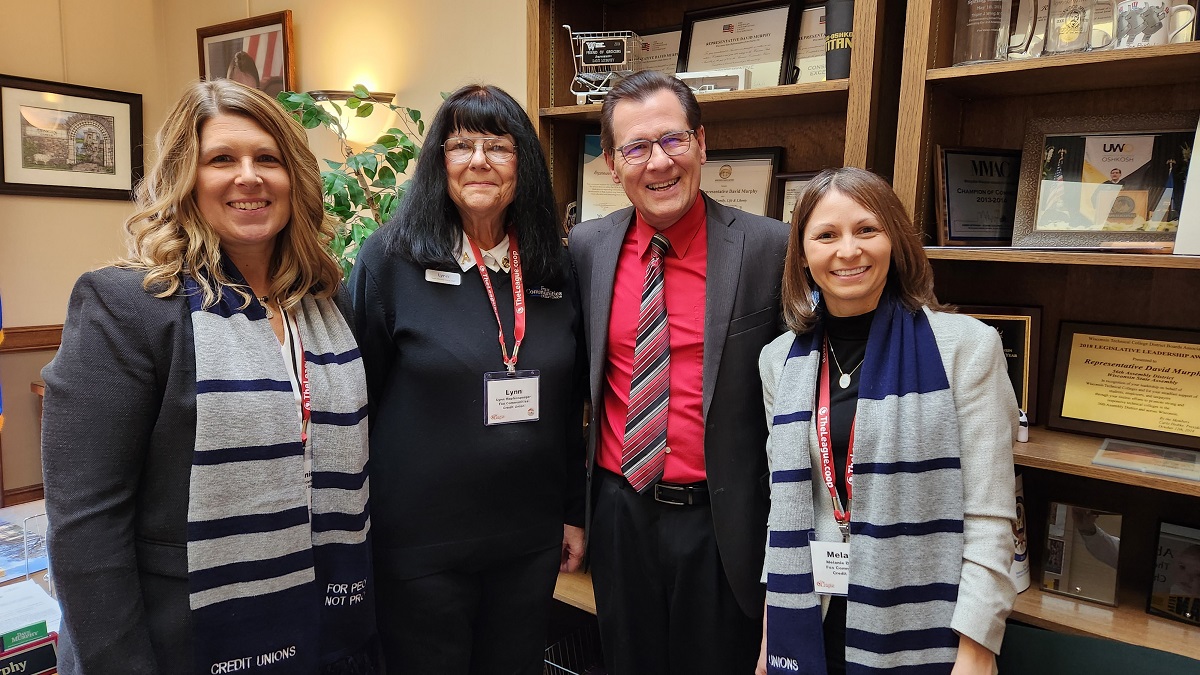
(646, 425)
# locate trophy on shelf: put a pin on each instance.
(1069, 26)
(982, 30)
(601, 58)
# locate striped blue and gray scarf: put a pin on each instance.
(906, 524)
(271, 589)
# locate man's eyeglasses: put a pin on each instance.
(459, 150)
(674, 143)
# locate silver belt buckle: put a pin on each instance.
(684, 498)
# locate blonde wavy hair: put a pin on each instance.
(168, 236)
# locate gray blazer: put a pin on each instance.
(741, 315)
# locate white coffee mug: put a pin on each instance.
(1141, 23)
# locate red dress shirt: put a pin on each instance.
(684, 286)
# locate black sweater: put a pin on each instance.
(447, 490)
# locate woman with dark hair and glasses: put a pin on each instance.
(471, 335)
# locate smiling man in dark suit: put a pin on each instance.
(680, 294)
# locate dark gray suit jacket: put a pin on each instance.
(741, 315)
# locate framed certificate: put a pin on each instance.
(1128, 382)
(759, 35)
(1019, 329)
(598, 194)
(743, 179)
(788, 187)
(977, 196)
(659, 50)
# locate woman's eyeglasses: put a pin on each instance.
(459, 150)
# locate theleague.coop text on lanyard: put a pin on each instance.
(510, 395)
(831, 559)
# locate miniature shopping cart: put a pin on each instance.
(601, 58)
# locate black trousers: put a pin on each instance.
(664, 604)
(471, 621)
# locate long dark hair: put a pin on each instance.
(427, 229)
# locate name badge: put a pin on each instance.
(831, 566)
(511, 397)
(440, 277)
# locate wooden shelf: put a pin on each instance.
(1127, 623)
(786, 100)
(1088, 71)
(576, 590)
(1072, 454)
(1024, 255)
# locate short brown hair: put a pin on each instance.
(910, 277)
(169, 238)
(640, 86)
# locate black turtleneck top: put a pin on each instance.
(848, 346)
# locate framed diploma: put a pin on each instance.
(742, 179)
(659, 50)
(788, 187)
(977, 196)
(759, 35)
(1128, 382)
(598, 194)
(1019, 329)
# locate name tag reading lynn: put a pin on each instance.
(511, 397)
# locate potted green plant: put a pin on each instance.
(363, 188)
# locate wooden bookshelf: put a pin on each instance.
(575, 589)
(1072, 454)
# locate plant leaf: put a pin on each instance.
(364, 110)
(361, 91)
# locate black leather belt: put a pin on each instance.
(681, 495)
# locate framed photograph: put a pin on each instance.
(1019, 329)
(1111, 181)
(659, 49)
(1175, 589)
(977, 196)
(743, 179)
(598, 195)
(1128, 382)
(759, 35)
(255, 51)
(66, 140)
(1083, 546)
(788, 187)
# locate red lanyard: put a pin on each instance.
(518, 287)
(823, 403)
(302, 371)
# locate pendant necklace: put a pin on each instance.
(271, 313)
(844, 380)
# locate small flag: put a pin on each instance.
(645, 46)
(727, 28)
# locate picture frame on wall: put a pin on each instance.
(760, 35)
(743, 179)
(68, 140)
(256, 51)
(788, 187)
(1175, 585)
(1129, 382)
(976, 196)
(1020, 333)
(1113, 181)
